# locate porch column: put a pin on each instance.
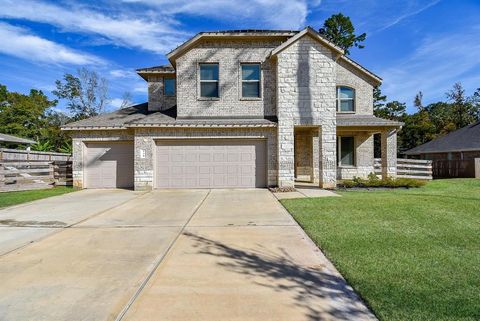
(328, 157)
(389, 153)
(286, 154)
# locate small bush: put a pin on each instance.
(373, 181)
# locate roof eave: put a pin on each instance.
(311, 32)
(172, 55)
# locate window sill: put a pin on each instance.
(251, 98)
(347, 166)
(346, 112)
(208, 98)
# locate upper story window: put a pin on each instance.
(209, 80)
(345, 99)
(250, 80)
(169, 86)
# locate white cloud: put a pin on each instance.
(158, 35)
(116, 103)
(434, 66)
(141, 88)
(260, 13)
(122, 73)
(408, 14)
(20, 43)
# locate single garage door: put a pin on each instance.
(109, 165)
(211, 163)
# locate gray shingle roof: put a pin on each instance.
(463, 139)
(14, 139)
(139, 116)
(117, 119)
(365, 120)
(162, 68)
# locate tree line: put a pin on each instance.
(35, 116)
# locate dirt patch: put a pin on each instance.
(15, 223)
(282, 189)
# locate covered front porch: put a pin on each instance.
(354, 152)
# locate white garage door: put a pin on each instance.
(211, 163)
(109, 165)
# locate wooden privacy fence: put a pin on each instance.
(456, 168)
(409, 168)
(7, 154)
(28, 175)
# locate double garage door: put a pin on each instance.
(212, 163)
(199, 163)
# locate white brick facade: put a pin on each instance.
(298, 86)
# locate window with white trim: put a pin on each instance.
(250, 80)
(209, 80)
(346, 150)
(345, 99)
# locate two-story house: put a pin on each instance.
(242, 108)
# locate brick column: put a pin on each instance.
(389, 153)
(328, 157)
(286, 156)
(77, 163)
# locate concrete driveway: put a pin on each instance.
(165, 255)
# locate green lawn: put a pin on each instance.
(14, 198)
(411, 254)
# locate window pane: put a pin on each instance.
(209, 89)
(251, 89)
(346, 92)
(346, 105)
(251, 72)
(208, 71)
(347, 152)
(169, 86)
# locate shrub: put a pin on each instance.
(372, 180)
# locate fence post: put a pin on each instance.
(2, 175)
(477, 167)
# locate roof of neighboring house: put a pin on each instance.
(463, 139)
(352, 120)
(14, 139)
(139, 116)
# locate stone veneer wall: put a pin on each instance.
(304, 156)
(351, 77)
(156, 96)
(363, 156)
(229, 54)
(80, 137)
(306, 87)
(145, 140)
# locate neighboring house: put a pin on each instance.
(244, 108)
(462, 144)
(14, 140)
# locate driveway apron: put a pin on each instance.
(176, 255)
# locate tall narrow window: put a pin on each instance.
(346, 150)
(169, 84)
(209, 80)
(345, 99)
(251, 80)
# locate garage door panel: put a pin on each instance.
(109, 165)
(215, 163)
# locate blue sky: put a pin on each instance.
(413, 45)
